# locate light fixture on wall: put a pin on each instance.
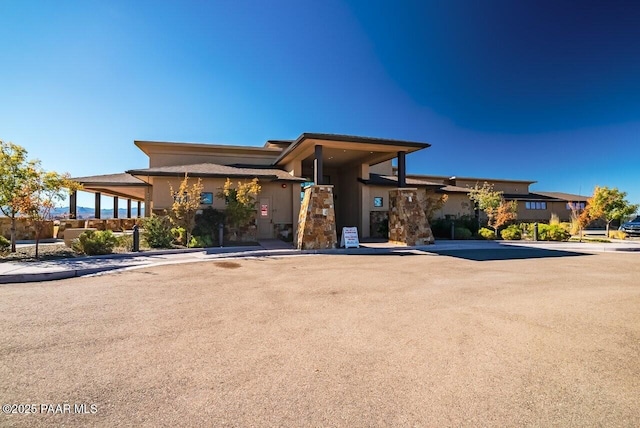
(284, 185)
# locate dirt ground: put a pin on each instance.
(416, 340)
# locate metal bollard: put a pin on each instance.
(136, 238)
(535, 231)
(220, 234)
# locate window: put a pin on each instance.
(378, 202)
(206, 198)
(535, 205)
(576, 205)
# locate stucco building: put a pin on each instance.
(355, 176)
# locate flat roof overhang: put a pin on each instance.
(122, 185)
(347, 149)
(209, 175)
(149, 147)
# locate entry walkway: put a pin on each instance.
(15, 272)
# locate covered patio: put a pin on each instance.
(119, 186)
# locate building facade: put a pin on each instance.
(357, 171)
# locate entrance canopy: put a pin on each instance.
(343, 150)
(339, 151)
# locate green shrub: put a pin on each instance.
(157, 232)
(179, 235)
(200, 241)
(208, 222)
(485, 233)
(124, 242)
(512, 232)
(617, 234)
(553, 232)
(462, 233)
(95, 242)
(441, 227)
(4, 243)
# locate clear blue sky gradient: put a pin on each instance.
(540, 90)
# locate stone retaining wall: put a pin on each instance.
(113, 224)
(24, 229)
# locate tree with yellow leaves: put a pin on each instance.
(186, 203)
(241, 201)
(499, 212)
(39, 196)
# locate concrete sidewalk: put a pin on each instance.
(16, 272)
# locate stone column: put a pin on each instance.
(317, 220)
(408, 223)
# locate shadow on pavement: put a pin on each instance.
(483, 255)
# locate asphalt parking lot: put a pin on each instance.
(457, 339)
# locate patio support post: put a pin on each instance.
(97, 205)
(115, 207)
(402, 170)
(147, 202)
(317, 166)
(73, 205)
(139, 208)
(129, 208)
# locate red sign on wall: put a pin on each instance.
(264, 210)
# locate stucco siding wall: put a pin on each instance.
(506, 187)
(281, 202)
(558, 208)
(169, 159)
(383, 168)
(457, 205)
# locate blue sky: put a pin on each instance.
(540, 90)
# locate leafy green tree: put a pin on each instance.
(16, 171)
(498, 211)
(609, 205)
(186, 202)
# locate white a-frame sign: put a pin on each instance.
(349, 237)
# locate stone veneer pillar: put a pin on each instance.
(317, 219)
(408, 223)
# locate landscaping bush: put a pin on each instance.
(201, 241)
(617, 234)
(179, 235)
(485, 233)
(511, 233)
(462, 233)
(552, 232)
(157, 232)
(441, 227)
(5, 244)
(95, 242)
(208, 222)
